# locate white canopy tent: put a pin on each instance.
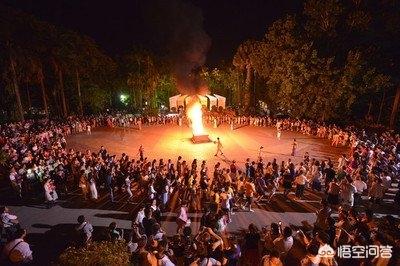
(220, 100)
(208, 100)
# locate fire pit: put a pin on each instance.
(195, 116)
(200, 139)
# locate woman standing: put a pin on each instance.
(294, 147)
(182, 218)
(50, 192)
(128, 187)
(92, 186)
(152, 191)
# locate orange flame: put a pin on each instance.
(195, 114)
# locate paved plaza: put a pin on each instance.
(49, 227)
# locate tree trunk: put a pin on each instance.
(60, 87)
(247, 89)
(135, 98)
(381, 106)
(395, 108)
(43, 89)
(62, 95)
(141, 97)
(369, 108)
(20, 110)
(78, 84)
(56, 100)
(29, 97)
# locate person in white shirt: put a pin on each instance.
(347, 191)
(300, 182)
(360, 187)
(50, 192)
(140, 215)
(8, 220)
(285, 242)
(151, 191)
(128, 187)
(386, 180)
(92, 187)
(162, 258)
(18, 251)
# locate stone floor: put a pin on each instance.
(169, 141)
(49, 229)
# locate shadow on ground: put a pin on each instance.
(48, 246)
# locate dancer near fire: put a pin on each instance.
(219, 147)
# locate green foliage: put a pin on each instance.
(323, 16)
(96, 254)
(166, 88)
(96, 99)
(320, 65)
(142, 74)
(329, 62)
(225, 82)
(58, 57)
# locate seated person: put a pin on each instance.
(9, 222)
(17, 251)
(114, 233)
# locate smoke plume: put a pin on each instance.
(181, 27)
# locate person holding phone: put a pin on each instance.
(285, 242)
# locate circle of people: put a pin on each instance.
(40, 163)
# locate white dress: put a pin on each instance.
(50, 192)
(93, 189)
(128, 186)
(152, 192)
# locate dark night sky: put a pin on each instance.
(118, 24)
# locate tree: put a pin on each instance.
(242, 60)
(395, 108)
(97, 253)
(20, 111)
(12, 49)
(303, 82)
(142, 76)
(224, 81)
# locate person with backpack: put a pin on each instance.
(85, 231)
(17, 251)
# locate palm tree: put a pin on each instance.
(10, 47)
(142, 76)
(242, 61)
(395, 108)
(57, 59)
(15, 86)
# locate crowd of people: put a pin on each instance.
(41, 164)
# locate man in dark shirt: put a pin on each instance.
(148, 221)
(252, 170)
(329, 174)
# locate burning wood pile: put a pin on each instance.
(194, 114)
